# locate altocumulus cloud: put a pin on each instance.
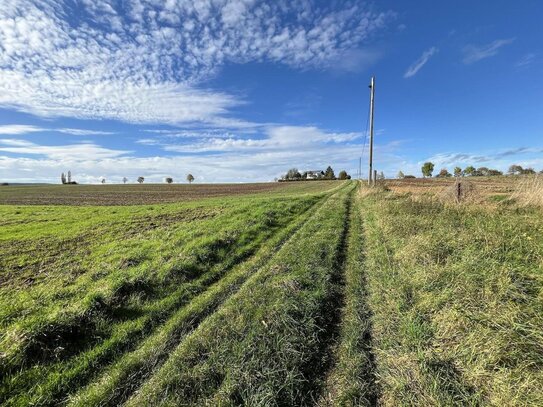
(144, 61)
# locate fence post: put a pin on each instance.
(458, 191)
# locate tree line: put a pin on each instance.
(67, 179)
(294, 175)
(427, 170)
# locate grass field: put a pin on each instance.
(315, 293)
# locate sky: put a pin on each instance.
(243, 90)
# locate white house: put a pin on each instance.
(315, 174)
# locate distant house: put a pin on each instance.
(315, 174)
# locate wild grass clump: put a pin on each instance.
(529, 191)
(457, 296)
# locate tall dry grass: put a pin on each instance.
(529, 191)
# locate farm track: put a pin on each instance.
(351, 378)
(132, 333)
(218, 378)
(119, 382)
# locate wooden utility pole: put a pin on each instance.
(372, 96)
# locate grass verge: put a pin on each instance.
(458, 302)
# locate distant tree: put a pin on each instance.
(400, 175)
(69, 177)
(410, 176)
(125, 180)
(492, 172)
(444, 173)
(329, 173)
(483, 171)
(381, 175)
(469, 170)
(63, 178)
(293, 174)
(304, 175)
(140, 180)
(528, 171)
(343, 175)
(103, 181)
(515, 170)
(427, 169)
(457, 172)
(190, 178)
(168, 180)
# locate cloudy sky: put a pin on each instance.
(242, 90)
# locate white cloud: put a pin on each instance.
(419, 63)
(474, 53)
(14, 129)
(83, 151)
(525, 61)
(143, 61)
(83, 132)
(210, 160)
(276, 138)
(18, 129)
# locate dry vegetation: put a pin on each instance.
(456, 292)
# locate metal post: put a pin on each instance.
(372, 95)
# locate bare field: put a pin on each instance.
(132, 194)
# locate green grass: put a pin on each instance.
(114, 278)
(456, 294)
(267, 344)
(351, 382)
(301, 294)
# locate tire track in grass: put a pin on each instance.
(63, 377)
(319, 367)
(351, 381)
(118, 382)
(257, 347)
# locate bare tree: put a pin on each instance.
(190, 178)
(69, 177)
(63, 178)
(103, 181)
(140, 180)
(125, 180)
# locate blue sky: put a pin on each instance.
(242, 90)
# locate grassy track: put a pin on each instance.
(118, 381)
(265, 345)
(457, 299)
(136, 299)
(351, 381)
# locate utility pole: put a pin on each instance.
(372, 96)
